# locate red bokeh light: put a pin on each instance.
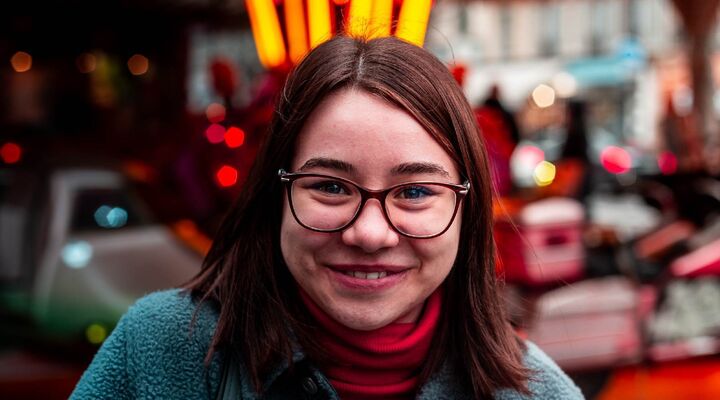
(667, 162)
(616, 160)
(10, 153)
(227, 176)
(234, 137)
(215, 133)
(138, 64)
(21, 61)
(215, 113)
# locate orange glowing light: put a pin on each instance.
(266, 31)
(86, 63)
(319, 21)
(215, 133)
(138, 64)
(139, 171)
(189, 233)
(21, 61)
(616, 160)
(227, 176)
(296, 29)
(234, 137)
(215, 113)
(358, 24)
(10, 153)
(413, 20)
(667, 162)
(382, 11)
(340, 2)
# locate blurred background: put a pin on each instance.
(128, 127)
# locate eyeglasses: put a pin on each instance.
(324, 203)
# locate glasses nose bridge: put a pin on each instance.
(379, 195)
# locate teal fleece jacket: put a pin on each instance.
(154, 354)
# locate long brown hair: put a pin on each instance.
(244, 272)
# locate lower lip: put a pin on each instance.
(367, 285)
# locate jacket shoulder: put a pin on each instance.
(159, 312)
(547, 380)
(157, 349)
(168, 330)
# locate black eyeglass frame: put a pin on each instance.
(289, 177)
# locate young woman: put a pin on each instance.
(357, 264)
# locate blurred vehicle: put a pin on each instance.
(77, 248)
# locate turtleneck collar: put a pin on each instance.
(383, 363)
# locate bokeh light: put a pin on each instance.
(86, 63)
(138, 64)
(616, 160)
(77, 254)
(21, 61)
(565, 85)
(543, 96)
(234, 137)
(111, 217)
(544, 173)
(215, 113)
(96, 333)
(667, 162)
(523, 162)
(215, 133)
(10, 153)
(227, 176)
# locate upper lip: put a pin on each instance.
(368, 268)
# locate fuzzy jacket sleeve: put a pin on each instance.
(154, 352)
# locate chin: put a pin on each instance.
(362, 321)
(365, 324)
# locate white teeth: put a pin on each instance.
(366, 275)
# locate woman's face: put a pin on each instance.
(360, 137)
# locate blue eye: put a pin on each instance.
(415, 192)
(330, 187)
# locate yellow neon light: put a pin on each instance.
(267, 33)
(319, 21)
(296, 29)
(381, 18)
(413, 20)
(359, 18)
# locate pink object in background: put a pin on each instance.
(547, 245)
(705, 261)
(590, 324)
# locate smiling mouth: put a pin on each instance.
(366, 275)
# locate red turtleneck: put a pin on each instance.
(383, 363)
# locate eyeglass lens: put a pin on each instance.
(415, 209)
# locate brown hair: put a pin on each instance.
(244, 272)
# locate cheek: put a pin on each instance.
(299, 245)
(438, 254)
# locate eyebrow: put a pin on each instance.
(400, 169)
(328, 163)
(419, 168)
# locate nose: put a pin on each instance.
(371, 231)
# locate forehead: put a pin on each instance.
(369, 133)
